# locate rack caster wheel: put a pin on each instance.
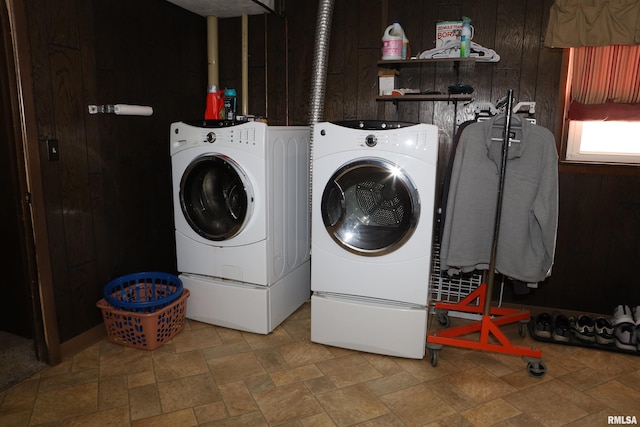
(433, 357)
(536, 368)
(443, 319)
(522, 328)
(433, 353)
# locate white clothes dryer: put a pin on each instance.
(373, 190)
(241, 212)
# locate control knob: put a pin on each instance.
(371, 140)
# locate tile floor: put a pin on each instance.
(211, 376)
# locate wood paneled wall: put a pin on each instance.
(109, 197)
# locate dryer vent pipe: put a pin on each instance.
(319, 71)
(213, 60)
(319, 76)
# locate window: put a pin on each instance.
(603, 141)
(603, 114)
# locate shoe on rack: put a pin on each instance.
(625, 336)
(622, 314)
(624, 328)
(583, 329)
(561, 328)
(604, 331)
(636, 318)
(543, 325)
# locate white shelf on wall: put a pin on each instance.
(226, 8)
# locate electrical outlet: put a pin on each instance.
(53, 149)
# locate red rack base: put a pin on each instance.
(488, 327)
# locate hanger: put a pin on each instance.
(516, 124)
(499, 117)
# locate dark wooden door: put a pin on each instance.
(16, 313)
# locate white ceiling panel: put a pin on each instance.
(226, 8)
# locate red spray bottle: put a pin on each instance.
(215, 103)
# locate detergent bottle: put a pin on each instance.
(230, 97)
(465, 38)
(392, 41)
(406, 52)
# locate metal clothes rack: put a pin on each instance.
(453, 288)
(478, 302)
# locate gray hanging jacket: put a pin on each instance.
(529, 219)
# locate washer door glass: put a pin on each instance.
(215, 197)
(370, 207)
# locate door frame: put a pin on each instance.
(24, 122)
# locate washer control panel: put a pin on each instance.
(245, 135)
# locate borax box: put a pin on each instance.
(447, 31)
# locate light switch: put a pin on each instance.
(53, 149)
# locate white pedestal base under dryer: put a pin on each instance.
(242, 223)
(372, 326)
(373, 201)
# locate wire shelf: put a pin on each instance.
(451, 289)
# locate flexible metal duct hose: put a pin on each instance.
(319, 72)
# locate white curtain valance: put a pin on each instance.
(575, 23)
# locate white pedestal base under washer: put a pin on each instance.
(241, 212)
(244, 306)
(372, 224)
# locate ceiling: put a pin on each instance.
(226, 8)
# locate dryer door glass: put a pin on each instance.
(215, 197)
(370, 207)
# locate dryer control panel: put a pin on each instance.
(376, 138)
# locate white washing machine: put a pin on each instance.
(241, 212)
(373, 189)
